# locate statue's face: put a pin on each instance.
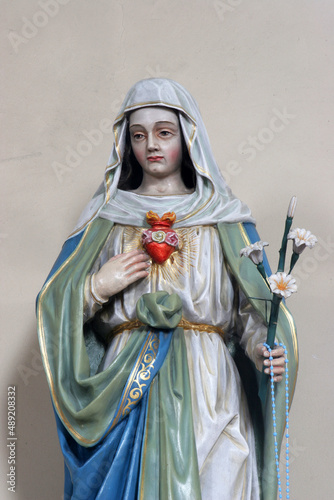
(156, 141)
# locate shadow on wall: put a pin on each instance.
(39, 462)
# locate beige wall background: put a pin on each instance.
(66, 67)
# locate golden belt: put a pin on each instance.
(186, 325)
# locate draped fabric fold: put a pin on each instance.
(90, 405)
(169, 467)
(109, 469)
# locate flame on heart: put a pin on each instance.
(167, 219)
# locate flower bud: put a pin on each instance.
(292, 207)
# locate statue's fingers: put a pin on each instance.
(277, 352)
(134, 258)
(132, 278)
(138, 266)
(277, 370)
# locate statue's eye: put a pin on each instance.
(138, 136)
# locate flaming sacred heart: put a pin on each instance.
(160, 241)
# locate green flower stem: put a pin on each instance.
(282, 251)
(260, 268)
(294, 258)
(273, 320)
(270, 341)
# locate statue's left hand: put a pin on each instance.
(278, 361)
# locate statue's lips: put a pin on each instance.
(155, 158)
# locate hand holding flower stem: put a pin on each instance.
(279, 283)
(282, 285)
(279, 289)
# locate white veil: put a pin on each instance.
(211, 202)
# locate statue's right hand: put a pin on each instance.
(121, 271)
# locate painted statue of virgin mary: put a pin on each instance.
(150, 332)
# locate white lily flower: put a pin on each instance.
(254, 252)
(282, 284)
(301, 239)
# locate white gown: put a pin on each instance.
(197, 273)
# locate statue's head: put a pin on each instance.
(155, 144)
